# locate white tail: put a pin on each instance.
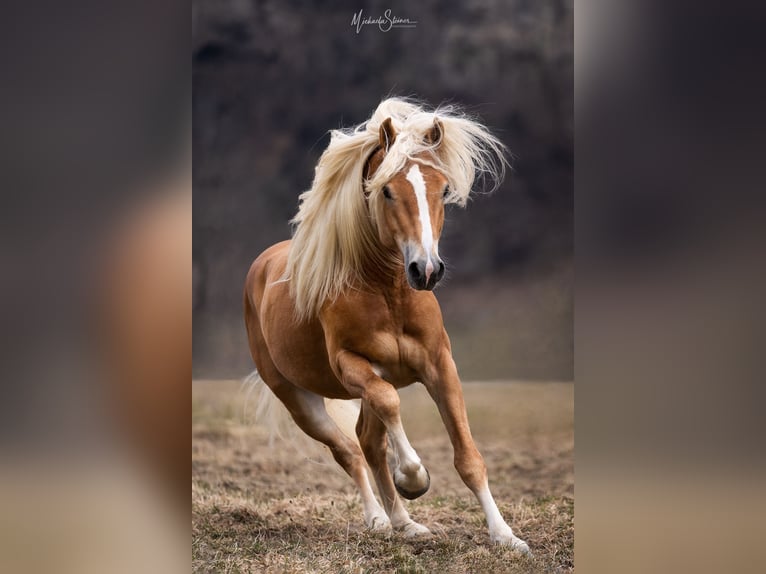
(345, 414)
(271, 414)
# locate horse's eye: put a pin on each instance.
(446, 192)
(386, 192)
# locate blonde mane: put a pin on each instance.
(335, 228)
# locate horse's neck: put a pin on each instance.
(386, 282)
(387, 276)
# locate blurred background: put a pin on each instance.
(270, 79)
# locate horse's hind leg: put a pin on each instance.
(372, 437)
(309, 413)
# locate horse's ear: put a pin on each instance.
(387, 134)
(434, 135)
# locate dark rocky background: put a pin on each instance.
(271, 78)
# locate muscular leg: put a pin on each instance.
(309, 413)
(372, 437)
(448, 395)
(361, 381)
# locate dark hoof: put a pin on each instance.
(416, 494)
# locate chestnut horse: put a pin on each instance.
(345, 310)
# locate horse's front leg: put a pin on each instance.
(381, 418)
(444, 387)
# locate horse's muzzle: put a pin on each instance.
(422, 276)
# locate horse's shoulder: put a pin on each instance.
(357, 307)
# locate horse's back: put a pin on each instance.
(263, 284)
(296, 349)
(268, 267)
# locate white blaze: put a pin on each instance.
(426, 232)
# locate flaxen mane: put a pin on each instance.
(335, 226)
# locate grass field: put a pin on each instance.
(261, 509)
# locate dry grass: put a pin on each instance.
(260, 510)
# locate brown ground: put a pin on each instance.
(256, 509)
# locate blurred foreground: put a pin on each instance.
(93, 448)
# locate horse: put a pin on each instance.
(345, 309)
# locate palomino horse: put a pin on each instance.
(346, 311)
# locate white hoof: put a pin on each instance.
(414, 530)
(521, 546)
(507, 538)
(379, 523)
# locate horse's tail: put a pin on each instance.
(271, 414)
(345, 414)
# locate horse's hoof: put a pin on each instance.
(413, 494)
(513, 541)
(415, 530)
(379, 524)
(520, 546)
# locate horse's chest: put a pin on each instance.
(395, 338)
(397, 358)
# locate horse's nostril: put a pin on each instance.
(441, 270)
(413, 270)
